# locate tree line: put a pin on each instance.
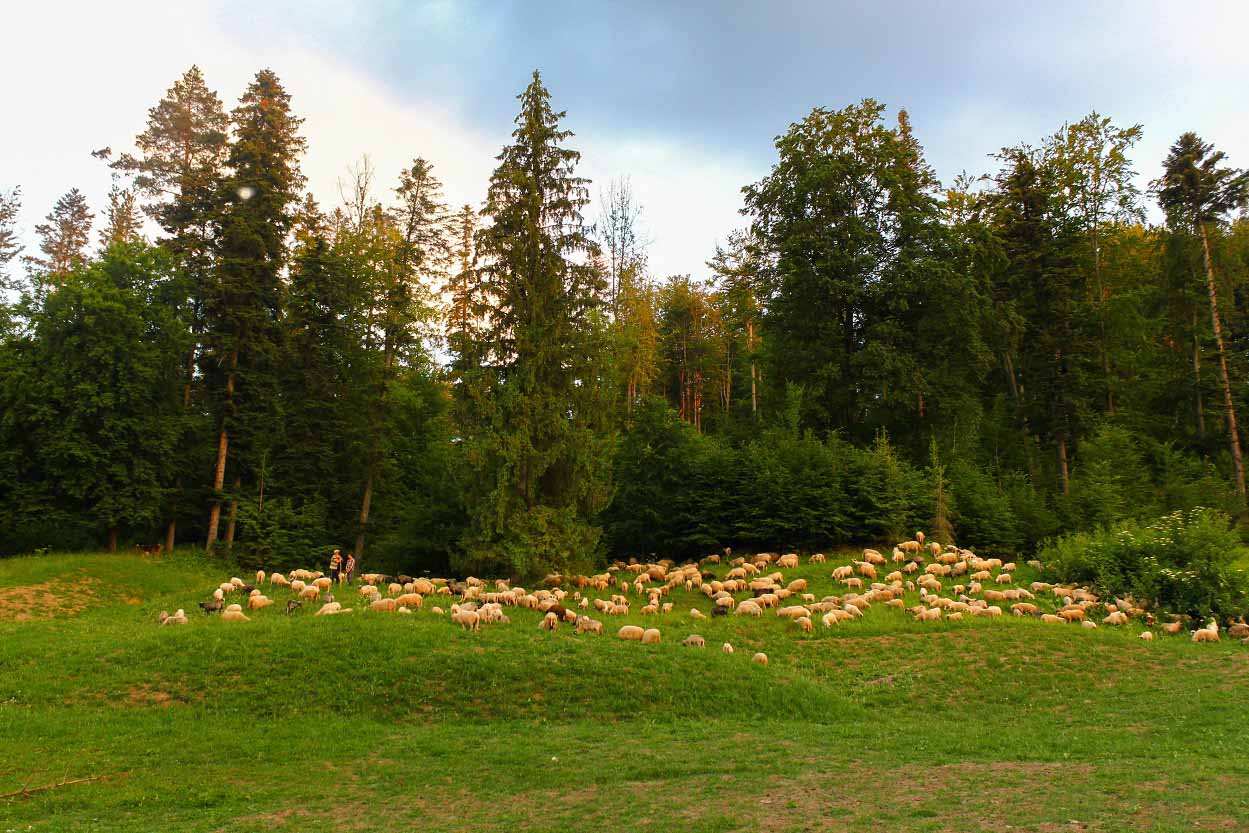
(508, 388)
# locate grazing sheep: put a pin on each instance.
(465, 618)
(695, 613)
(1238, 630)
(1087, 625)
(310, 593)
(787, 561)
(651, 636)
(1148, 636)
(1173, 627)
(549, 622)
(760, 658)
(694, 641)
(1210, 633)
(178, 618)
(587, 625)
(383, 605)
(1117, 617)
(211, 607)
(727, 648)
(323, 583)
(232, 615)
(257, 602)
(632, 633)
(218, 595)
(1051, 619)
(805, 623)
(817, 558)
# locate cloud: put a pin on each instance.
(685, 98)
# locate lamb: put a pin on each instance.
(694, 641)
(760, 658)
(805, 623)
(695, 613)
(651, 636)
(178, 618)
(1148, 636)
(550, 622)
(587, 625)
(631, 633)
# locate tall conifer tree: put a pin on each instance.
(537, 440)
(242, 304)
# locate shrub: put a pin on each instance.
(1183, 562)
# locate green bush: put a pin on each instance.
(1182, 562)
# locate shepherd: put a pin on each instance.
(336, 563)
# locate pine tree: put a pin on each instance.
(1197, 192)
(182, 153)
(178, 172)
(242, 302)
(537, 439)
(63, 240)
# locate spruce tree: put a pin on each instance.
(242, 301)
(536, 437)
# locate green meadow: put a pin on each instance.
(379, 722)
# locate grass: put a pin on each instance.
(389, 723)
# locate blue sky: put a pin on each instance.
(685, 97)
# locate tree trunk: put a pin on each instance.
(234, 511)
(1201, 411)
(750, 348)
(223, 446)
(219, 478)
(112, 539)
(169, 534)
(364, 516)
(1063, 473)
(1233, 435)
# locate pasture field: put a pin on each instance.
(377, 722)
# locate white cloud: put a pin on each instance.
(111, 65)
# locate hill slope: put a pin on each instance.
(376, 722)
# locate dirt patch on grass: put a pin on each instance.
(58, 597)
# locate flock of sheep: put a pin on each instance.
(951, 583)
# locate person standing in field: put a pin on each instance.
(350, 572)
(336, 563)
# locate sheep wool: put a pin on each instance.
(630, 632)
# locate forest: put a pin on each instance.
(214, 359)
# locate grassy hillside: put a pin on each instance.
(383, 722)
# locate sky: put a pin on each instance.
(685, 98)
